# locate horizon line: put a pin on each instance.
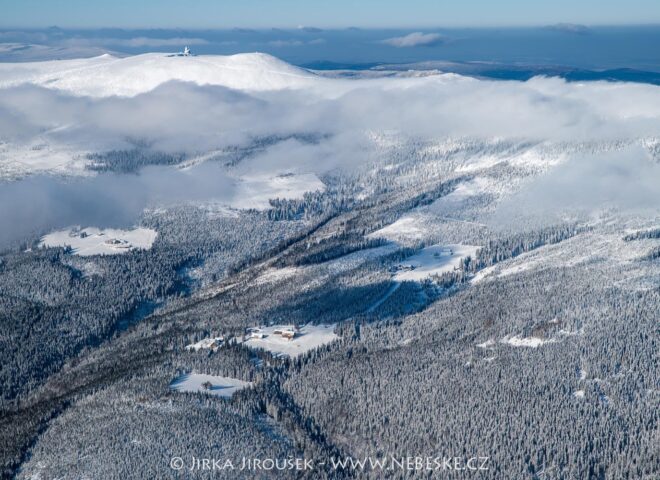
(302, 28)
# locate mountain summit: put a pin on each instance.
(106, 75)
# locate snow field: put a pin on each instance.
(211, 384)
(95, 241)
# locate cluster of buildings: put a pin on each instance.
(117, 243)
(288, 332)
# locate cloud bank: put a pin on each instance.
(573, 28)
(36, 204)
(179, 116)
(415, 39)
(627, 180)
(338, 116)
(135, 42)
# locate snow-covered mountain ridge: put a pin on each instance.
(107, 75)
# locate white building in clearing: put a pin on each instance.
(287, 332)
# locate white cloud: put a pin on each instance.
(286, 43)
(154, 42)
(197, 119)
(35, 204)
(416, 39)
(295, 43)
(626, 180)
(136, 42)
(574, 28)
(185, 116)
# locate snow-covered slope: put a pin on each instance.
(107, 75)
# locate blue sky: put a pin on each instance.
(328, 14)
